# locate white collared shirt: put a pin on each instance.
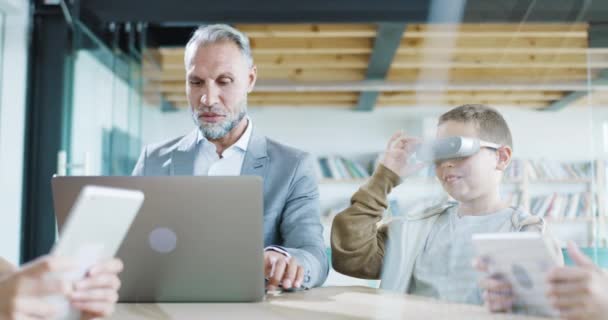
(208, 163)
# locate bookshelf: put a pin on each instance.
(565, 194)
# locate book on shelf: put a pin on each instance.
(513, 198)
(339, 168)
(555, 170)
(563, 206)
(515, 170)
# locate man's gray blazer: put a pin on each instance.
(291, 196)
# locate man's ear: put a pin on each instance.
(504, 157)
(253, 76)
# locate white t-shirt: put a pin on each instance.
(444, 268)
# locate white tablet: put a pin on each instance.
(524, 259)
(94, 230)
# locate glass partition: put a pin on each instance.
(104, 135)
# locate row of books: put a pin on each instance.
(425, 172)
(336, 167)
(514, 198)
(554, 170)
(515, 170)
(562, 206)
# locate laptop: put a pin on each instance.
(195, 239)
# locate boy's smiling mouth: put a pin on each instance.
(451, 178)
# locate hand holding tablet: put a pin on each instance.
(523, 259)
(96, 226)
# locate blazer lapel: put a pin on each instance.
(256, 158)
(182, 158)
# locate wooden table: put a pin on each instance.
(316, 304)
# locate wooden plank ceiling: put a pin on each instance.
(497, 54)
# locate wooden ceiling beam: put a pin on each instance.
(391, 86)
(454, 103)
(520, 41)
(528, 96)
(499, 75)
(308, 30)
(412, 50)
(280, 61)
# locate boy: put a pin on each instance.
(430, 253)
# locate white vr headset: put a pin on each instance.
(452, 147)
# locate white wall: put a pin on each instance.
(568, 135)
(317, 130)
(158, 126)
(12, 120)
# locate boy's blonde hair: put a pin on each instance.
(490, 124)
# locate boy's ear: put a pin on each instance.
(504, 157)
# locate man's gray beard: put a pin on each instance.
(218, 131)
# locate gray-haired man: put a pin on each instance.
(219, 75)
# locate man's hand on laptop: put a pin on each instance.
(282, 270)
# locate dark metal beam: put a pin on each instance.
(598, 35)
(193, 12)
(565, 101)
(49, 65)
(388, 40)
(530, 11)
(165, 36)
(574, 96)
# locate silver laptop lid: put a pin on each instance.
(196, 239)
